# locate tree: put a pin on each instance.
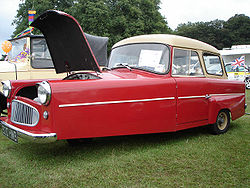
(219, 33)
(21, 19)
(209, 32)
(116, 19)
(238, 28)
(119, 19)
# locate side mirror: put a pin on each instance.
(31, 56)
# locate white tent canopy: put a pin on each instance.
(230, 54)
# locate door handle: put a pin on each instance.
(207, 96)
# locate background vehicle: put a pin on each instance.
(240, 73)
(28, 59)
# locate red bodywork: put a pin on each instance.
(121, 101)
(117, 104)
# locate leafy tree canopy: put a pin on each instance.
(21, 19)
(238, 28)
(219, 33)
(116, 19)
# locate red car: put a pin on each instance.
(152, 84)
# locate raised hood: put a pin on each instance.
(68, 45)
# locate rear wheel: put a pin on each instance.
(222, 123)
(247, 82)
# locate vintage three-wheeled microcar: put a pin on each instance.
(152, 84)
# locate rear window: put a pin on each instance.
(213, 64)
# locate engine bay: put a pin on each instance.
(81, 76)
(31, 91)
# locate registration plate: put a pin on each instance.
(10, 133)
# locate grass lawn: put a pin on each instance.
(190, 158)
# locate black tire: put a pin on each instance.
(3, 103)
(247, 82)
(81, 141)
(222, 123)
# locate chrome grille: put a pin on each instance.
(24, 114)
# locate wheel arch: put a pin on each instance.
(222, 122)
(214, 108)
(3, 102)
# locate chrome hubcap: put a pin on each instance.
(222, 120)
(248, 83)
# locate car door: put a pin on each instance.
(192, 101)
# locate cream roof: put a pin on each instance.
(173, 40)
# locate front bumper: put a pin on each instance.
(38, 138)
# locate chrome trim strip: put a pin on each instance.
(192, 97)
(212, 95)
(143, 100)
(227, 94)
(42, 138)
(115, 102)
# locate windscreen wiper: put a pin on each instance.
(124, 65)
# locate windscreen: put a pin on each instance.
(149, 57)
(19, 51)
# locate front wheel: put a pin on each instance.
(3, 103)
(222, 123)
(79, 141)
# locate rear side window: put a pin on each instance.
(212, 64)
(186, 63)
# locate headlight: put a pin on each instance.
(44, 92)
(6, 88)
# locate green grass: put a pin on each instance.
(190, 158)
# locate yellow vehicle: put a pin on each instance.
(240, 73)
(30, 58)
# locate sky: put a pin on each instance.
(183, 11)
(175, 12)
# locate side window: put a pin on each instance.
(213, 64)
(40, 54)
(186, 63)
